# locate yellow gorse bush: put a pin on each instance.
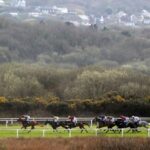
(3, 100)
(119, 98)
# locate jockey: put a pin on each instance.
(103, 118)
(125, 119)
(111, 119)
(135, 119)
(26, 118)
(56, 119)
(73, 119)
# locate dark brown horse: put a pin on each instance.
(81, 125)
(101, 123)
(56, 125)
(26, 124)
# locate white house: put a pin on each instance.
(14, 14)
(21, 3)
(102, 20)
(60, 10)
(145, 13)
(2, 3)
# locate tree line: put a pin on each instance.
(92, 89)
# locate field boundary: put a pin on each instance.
(42, 119)
(70, 131)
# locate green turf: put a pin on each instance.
(38, 132)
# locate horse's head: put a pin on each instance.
(95, 119)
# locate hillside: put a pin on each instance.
(59, 43)
(56, 68)
(100, 6)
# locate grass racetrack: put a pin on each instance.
(36, 140)
(47, 132)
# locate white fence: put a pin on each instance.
(70, 132)
(42, 119)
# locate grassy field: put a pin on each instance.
(35, 140)
(47, 132)
(87, 143)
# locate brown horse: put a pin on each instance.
(81, 125)
(106, 123)
(26, 124)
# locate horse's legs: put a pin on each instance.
(23, 128)
(136, 130)
(129, 130)
(81, 130)
(107, 130)
(56, 130)
(85, 129)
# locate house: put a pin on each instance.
(19, 3)
(137, 19)
(84, 19)
(60, 10)
(2, 3)
(146, 15)
(146, 20)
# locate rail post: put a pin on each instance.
(91, 123)
(122, 132)
(96, 132)
(6, 123)
(17, 134)
(12, 121)
(148, 132)
(43, 134)
(69, 132)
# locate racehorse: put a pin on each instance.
(121, 124)
(81, 125)
(55, 125)
(144, 124)
(31, 124)
(104, 123)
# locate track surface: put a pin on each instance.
(46, 131)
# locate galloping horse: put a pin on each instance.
(144, 124)
(101, 123)
(55, 125)
(81, 125)
(31, 124)
(121, 124)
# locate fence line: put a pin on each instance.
(43, 131)
(42, 119)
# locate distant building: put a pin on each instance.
(13, 14)
(60, 10)
(146, 13)
(101, 20)
(19, 3)
(34, 14)
(146, 20)
(119, 15)
(137, 19)
(2, 3)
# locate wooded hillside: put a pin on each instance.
(59, 68)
